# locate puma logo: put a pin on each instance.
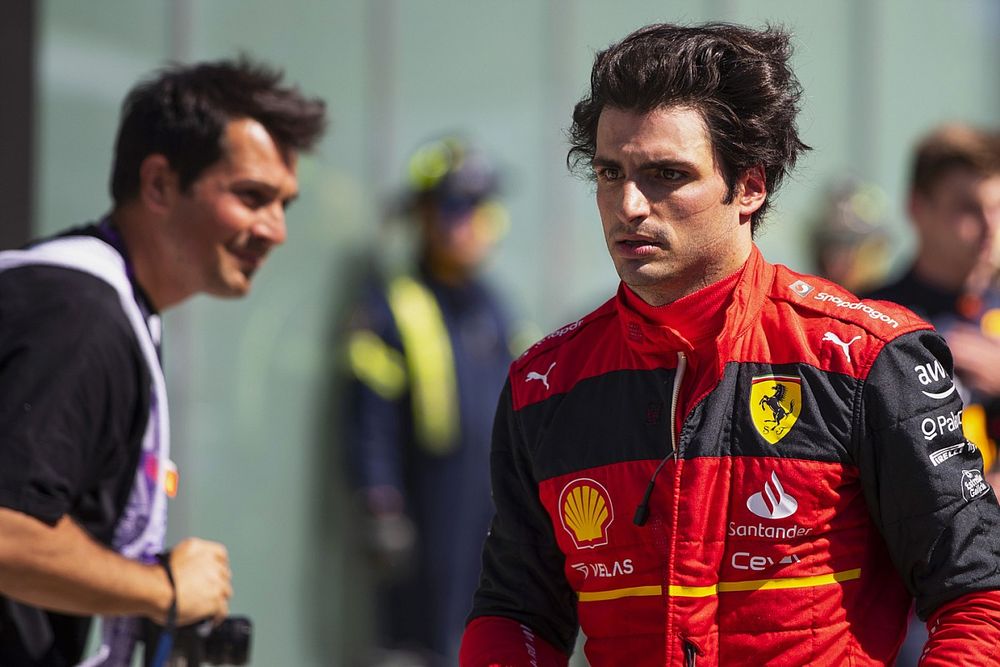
(835, 339)
(534, 375)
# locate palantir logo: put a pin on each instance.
(772, 502)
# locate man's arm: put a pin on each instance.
(61, 568)
(927, 493)
(524, 606)
(964, 631)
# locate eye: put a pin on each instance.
(607, 174)
(253, 198)
(666, 174)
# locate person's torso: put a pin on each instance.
(758, 539)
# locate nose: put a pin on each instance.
(634, 204)
(271, 225)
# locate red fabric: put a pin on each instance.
(494, 641)
(965, 631)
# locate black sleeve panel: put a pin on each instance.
(923, 481)
(71, 391)
(522, 575)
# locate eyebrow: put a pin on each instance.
(599, 161)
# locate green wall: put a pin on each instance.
(252, 413)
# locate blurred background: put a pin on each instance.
(253, 412)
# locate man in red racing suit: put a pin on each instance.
(729, 463)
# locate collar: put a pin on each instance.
(722, 310)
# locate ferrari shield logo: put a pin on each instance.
(775, 405)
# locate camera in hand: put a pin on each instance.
(227, 643)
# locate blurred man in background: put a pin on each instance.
(850, 244)
(954, 206)
(428, 349)
(205, 165)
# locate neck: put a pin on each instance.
(147, 255)
(447, 273)
(946, 276)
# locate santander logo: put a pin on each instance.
(772, 502)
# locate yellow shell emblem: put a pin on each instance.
(586, 511)
(775, 405)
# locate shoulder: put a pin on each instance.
(815, 301)
(559, 360)
(808, 319)
(61, 305)
(569, 338)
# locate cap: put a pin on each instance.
(451, 169)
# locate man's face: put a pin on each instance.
(958, 219)
(660, 193)
(224, 225)
(458, 239)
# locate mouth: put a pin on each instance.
(249, 260)
(637, 246)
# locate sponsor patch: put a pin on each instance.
(775, 405)
(586, 512)
(772, 502)
(973, 484)
(857, 305)
(932, 427)
(932, 373)
(942, 455)
(801, 288)
(605, 570)
(744, 560)
(541, 377)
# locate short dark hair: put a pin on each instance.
(182, 111)
(950, 147)
(739, 80)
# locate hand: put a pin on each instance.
(202, 579)
(391, 543)
(977, 358)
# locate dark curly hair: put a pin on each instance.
(739, 80)
(182, 113)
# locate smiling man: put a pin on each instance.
(205, 165)
(730, 462)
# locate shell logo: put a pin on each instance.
(586, 512)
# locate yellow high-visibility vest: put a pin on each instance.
(426, 366)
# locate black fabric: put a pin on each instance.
(522, 575)
(74, 401)
(942, 533)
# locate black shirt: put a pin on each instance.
(74, 402)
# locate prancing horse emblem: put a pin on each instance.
(775, 405)
(535, 375)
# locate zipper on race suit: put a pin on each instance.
(691, 652)
(678, 377)
(642, 511)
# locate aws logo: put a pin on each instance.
(586, 512)
(775, 405)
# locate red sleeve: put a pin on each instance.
(965, 631)
(495, 641)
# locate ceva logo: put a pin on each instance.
(772, 502)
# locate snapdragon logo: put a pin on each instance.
(857, 305)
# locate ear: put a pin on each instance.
(158, 183)
(751, 191)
